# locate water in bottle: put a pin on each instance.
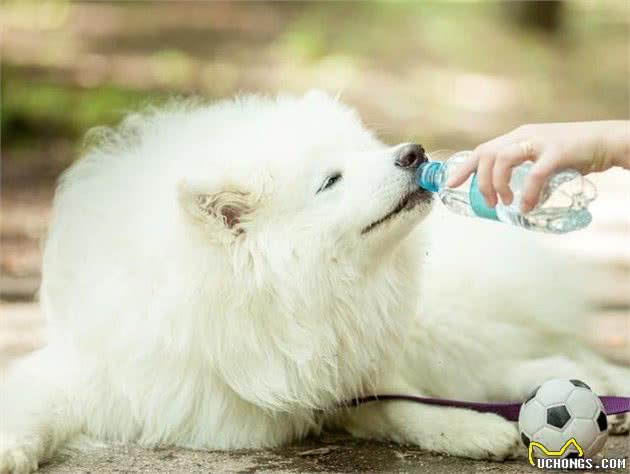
(563, 204)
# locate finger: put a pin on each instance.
(462, 173)
(484, 179)
(536, 179)
(486, 148)
(509, 157)
(490, 147)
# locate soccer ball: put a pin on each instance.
(559, 410)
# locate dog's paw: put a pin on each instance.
(492, 439)
(16, 458)
(619, 424)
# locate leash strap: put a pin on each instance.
(508, 410)
(615, 405)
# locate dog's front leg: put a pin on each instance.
(451, 431)
(36, 415)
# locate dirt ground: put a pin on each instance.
(332, 454)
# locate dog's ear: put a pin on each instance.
(228, 209)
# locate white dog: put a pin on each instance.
(222, 277)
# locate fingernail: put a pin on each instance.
(505, 200)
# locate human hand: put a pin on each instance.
(584, 146)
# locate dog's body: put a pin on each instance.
(223, 277)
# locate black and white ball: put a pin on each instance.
(561, 409)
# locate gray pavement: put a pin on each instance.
(333, 453)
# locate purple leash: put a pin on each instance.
(508, 410)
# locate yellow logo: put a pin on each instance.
(546, 452)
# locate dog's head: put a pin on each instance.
(304, 212)
(302, 179)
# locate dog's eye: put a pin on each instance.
(329, 182)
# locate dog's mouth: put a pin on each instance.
(409, 201)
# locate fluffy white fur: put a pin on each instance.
(202, 293)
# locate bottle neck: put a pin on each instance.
(429, 176)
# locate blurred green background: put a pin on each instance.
(444, 74)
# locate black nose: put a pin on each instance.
(410, 156)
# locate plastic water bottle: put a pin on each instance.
(562, 206)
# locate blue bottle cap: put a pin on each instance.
(428, 176)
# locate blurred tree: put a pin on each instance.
(543, 15)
